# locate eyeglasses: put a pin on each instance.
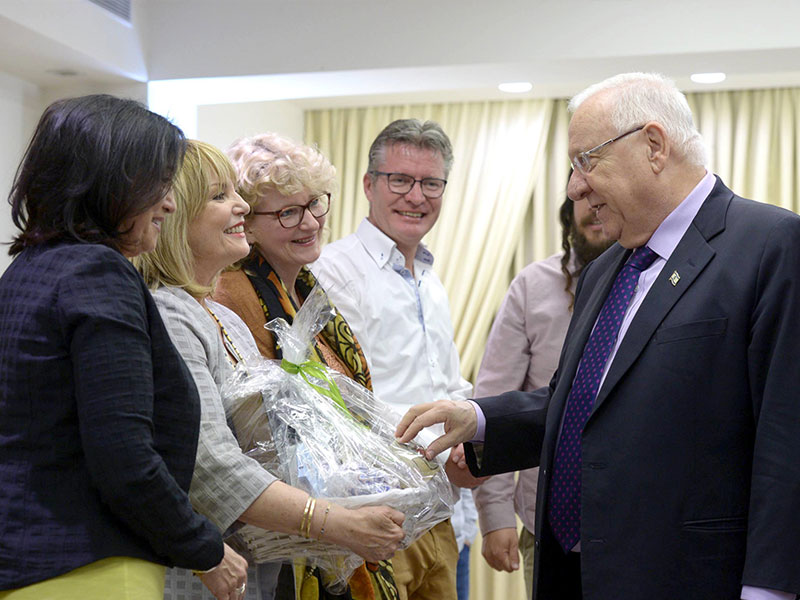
(582, 161)
(400, 183)
(292, 216)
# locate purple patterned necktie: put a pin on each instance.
(564, 508)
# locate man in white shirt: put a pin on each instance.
(382, 281)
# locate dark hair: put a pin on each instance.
(567, 218)
(93, 162)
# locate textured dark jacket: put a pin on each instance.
(99, 421)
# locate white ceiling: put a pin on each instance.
(321, 52)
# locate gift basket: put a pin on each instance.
(322, 432)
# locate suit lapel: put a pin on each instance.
(689, 258)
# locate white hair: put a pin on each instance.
(641, 97)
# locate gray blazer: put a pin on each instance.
(225, 481)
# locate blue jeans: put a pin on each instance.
(462, 574)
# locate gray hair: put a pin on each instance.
(641, 97)
(428, 135)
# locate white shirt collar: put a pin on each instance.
(383, 249)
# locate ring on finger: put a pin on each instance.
(241, 588)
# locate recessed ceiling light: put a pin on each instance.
(708, 77)
(516, 87)
(63, 72)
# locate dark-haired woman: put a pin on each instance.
(97, 409)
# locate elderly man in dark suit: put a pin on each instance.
(669, 438)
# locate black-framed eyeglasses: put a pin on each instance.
(292, 216)
(400, 183)
(582, 161)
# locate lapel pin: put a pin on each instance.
(674, 278)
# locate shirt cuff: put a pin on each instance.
(757, 593)
(480, 432)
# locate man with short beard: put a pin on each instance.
(522, 354)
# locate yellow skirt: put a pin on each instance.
(117, 578)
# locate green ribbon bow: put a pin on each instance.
(311, 368)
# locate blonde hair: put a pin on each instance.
(172, 262)
(269, 161)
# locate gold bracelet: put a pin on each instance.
(324, 520)
(305, 515)
(310, 518)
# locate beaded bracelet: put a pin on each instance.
(324, 520)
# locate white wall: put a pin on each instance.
(221, 124)
(20, 107)
(21, 104)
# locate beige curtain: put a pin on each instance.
(754, 141)
(508, 180)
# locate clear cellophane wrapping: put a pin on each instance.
(322, 432)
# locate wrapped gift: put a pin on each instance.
(322, 432)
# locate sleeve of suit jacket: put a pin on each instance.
(515, 424)
(773, 535)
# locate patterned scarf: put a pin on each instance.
(371, 581)
(277, 302)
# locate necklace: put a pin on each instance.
(231, 347)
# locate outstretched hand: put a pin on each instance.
(372, 532)
(459, 419)
(458, 472)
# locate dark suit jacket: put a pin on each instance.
(691, 456)
(99, 421)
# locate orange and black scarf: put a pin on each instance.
(276, 302)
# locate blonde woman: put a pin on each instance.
(207, 235)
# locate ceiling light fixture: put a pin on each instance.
(516, 87)
(63, 72)
(708, 77)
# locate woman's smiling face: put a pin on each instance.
(140, 233)
(285, 249)
(216, 236)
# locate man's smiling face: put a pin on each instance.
(405, 218)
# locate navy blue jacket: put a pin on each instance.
(99, 421)
(690, 484)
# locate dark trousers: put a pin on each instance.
(561, 573)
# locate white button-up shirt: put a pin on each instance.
(401, 320)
